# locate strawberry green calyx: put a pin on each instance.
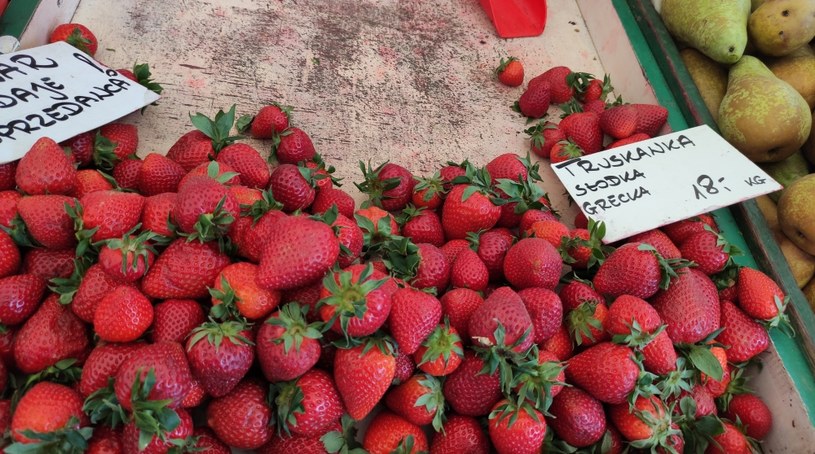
(218, 129)
(212, 226)
(345, 441)
(215, 333)
(430, 185)
(322, 171)
(599, 251)
(19, 233)
(64, 372)
(349, 298)
(66, 287)
(292, 319)
(68, 440)
(144, 78)
(535, 133)
(374, 236)
(510, 409)
(287, 398)
(637, 338)
(534, 380)
(432, 400)
(214, 172)
(401, 257)
(78, 40)
(227, 308)
(677, 381)
(700, 357)
(503, 357)
(571, 150)
(737, 385)
(569, 107)
(442, 343)
(405, 446)
(477, 180)
(373, 185)
(662, 427)
(668, 267)
(697, 433)
(140, 247)
(103, 155)
(102, 407)
(266, 204)
(780, 321)
(581, 321)
(85, 247)
(526, 194)
(153, 418)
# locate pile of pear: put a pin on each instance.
(754, 65)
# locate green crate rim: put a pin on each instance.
(17, 16)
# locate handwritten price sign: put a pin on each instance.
(651, 183)
(57, 91)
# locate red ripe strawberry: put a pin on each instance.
(10, 261)
(8, 207)
(492, 247)
(52, 334)
(287, 346)
(158, 174)
(628, 313)
(205, 208)
(534, 102)
(298, 251)
(759, 296)
(405, 367)
(196, 395)
(46, 169)
(111, 213)
(414, 315)
(223, 173)
(351, 240)
(469, 390)
(88, 180)
(308, 406)
(552, 231)
(227, 415)
(732, 441)
(469, 271)
(576, 292)
(450, 171)
(292, 146)
(709, 250)
(516, 429)
(363, 374)
(209, 442)
(174, 319)
(546, 311)
(128, 258)
(650, 118)
(389, 433)
(48, 264)
(103, 363)
(679, 231)
(533, 262)
(689, 308)
(252, 240)
(384, 223)
(191, 149)
(578, 418)
(7, 335)
(660, 241)
(507, 166)
(659, 355)
(647, 423)
(564, 150)
(170, 369)
(124, 137)
(502, 308)
(744, 337)
(357, 300)
(127, 173)
(95, 284)
(236, 287)
(510, 72)
(753, 414)
(717, 387)
(291, 188)
(8, 171)
(433, 270)
(133, 442)
(619, 122)
(584, 129)
(282, 444)
(220, 354)
(632, 269)
(49, 408)
(532, 216)
(441, 353)
(429, 192)
(269, 121)
(460, 434)
(586, 323)
(328, 197)
(422, 226)
(122, 315)
(105, 441)
(20, 295)
(419, 400)
(458, 306)
(606, 371)
(633, 138)
(543, 137)
(184, 270)
(76, 35)
(389, 185)
(557, 77)
(247, 161)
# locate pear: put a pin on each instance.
(778, 27)
(801, 264)
(761, 115)
(809, 293)
(717, 28)
(796, 213)
(809, 147)
(710, 78)
(798, 70)
(787, 171)
(769, 210)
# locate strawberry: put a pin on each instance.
(753, 414)
(298, 251)
(20, 295)
(577, 292)
(650, 118)
(507, 166)
(433, 270)
(586, 323)
(679, 231)
(174, 319)
(760, 297)
(715, 387)
(510, 72)
(205, 209)
(49, 264)
(287, 346)
(127, 173)
(220, 354)
(170, 371)
(469, 271)
(584, 129)
(389, 433)
(252, 240)
(578, 418)
(659, 355)
(389, 186)
(50, 335)
(291, 188)
(246, 196)
(458, 305)
(92, 287)
(8, 207)
(88, 180)
(184, 270)
(123, 137)
(744, 337)
(492, 247)
(328, 197)
(534, 102)
(414, 315)
(539, 378)
(351, 240)
(558, 79)
(441, 353)
(128, 258)
(545, 310)
(648, 424)
(550, 230)
(532, 216)
(453, 248)
(269, 121)
(135, 439)
(419, 400)
(8, 171)
(202, 144)
(103, 362)
(122, 315)
(450, 172)
(281, 444)
(45, 169)
(293, 145)
(363, 374)
(422, 226)
(158, 174)
(505, 311)
(590, 89)
(633, 138)
(631, 316)
(660, 241)
(564, 150)
(309, 405)
(533, 262)
(633, 269)
(245, 160)
(52, 410)
(429, 192)
(516, 429)
(110, 214)
(10, 261)
(689, 308)
(207, 441)
(356, 301)
(105, 441)
(237, 289)
(460, 434)
(223, 173)
(731, 441)
(619, 122)
(226, 416)
(76, 35)
(709, 250)
(606, 371)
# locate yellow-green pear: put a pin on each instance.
(809, 147)
(798, 70)
(769, 210)
(717, 28)
(778, 27)
(754, 4)
(796, 213)
(787, 171)
(809, 293)
(709, 76)
(801, 264)
(761, 115)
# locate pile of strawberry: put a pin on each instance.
(206, 299)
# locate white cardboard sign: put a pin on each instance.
(57, 91)
(648, 184)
